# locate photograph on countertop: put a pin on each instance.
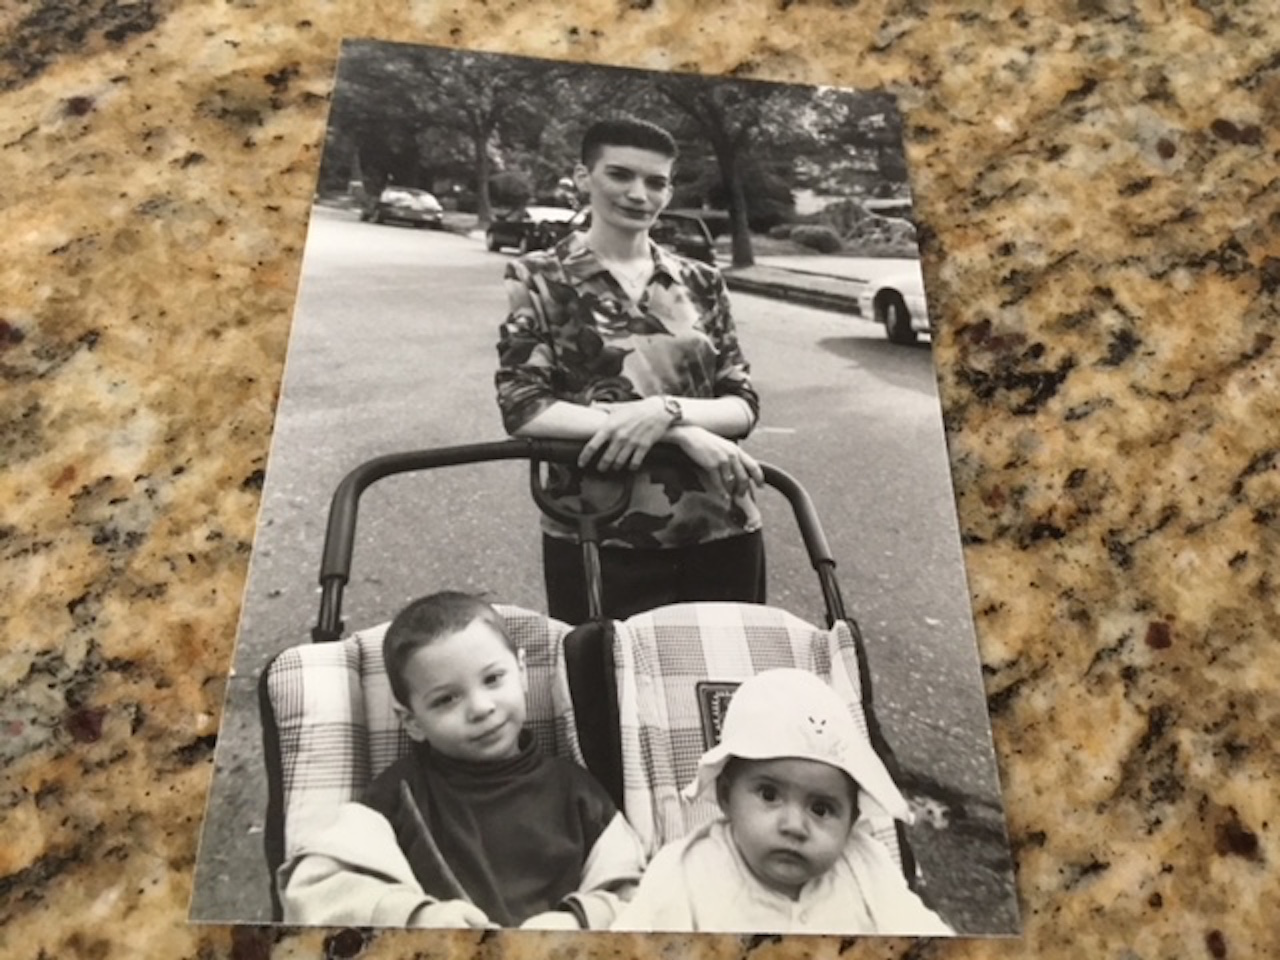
(607, 574)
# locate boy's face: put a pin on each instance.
(628, 186)
(466, 695)
(790, 818)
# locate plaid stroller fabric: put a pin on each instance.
(676, 667)
(330, 707)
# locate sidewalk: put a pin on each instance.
(811, 289)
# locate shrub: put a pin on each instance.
(509, 189)
(882, 233)
(768, 194)
(863, 231)
(844, 216)
(780, 232)
(820, 238)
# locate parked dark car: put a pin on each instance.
(680, 233)
(405, 205)
(529, 227)
(684, 234)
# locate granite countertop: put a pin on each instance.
(1100, 204)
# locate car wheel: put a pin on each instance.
(377, 216)
(896, 320)
(491, 242)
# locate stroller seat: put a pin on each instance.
(329, 727)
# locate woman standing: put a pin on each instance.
(612, 340)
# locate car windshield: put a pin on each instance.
(555, 214)
(674, 228)
(412, 193)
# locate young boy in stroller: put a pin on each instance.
(476, 827)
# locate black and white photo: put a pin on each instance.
(609, 395)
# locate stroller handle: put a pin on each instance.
(335, 565)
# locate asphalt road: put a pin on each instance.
(393, 348)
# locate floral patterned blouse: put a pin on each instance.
(572, 334)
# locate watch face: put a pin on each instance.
(672, 407)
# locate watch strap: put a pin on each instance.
(672, 406)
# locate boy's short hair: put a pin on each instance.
(626, 131)
(427, 620)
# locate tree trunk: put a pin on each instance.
(740, 231)
(356, 173)
(484, 209)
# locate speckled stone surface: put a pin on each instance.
(1098, 185)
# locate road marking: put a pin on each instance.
(776, 430)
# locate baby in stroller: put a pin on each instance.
(790, 774)
(476, 827)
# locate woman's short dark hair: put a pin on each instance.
(427, 620)
(625, 131)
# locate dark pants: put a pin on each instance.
(639, 580)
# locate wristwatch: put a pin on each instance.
(672, 406)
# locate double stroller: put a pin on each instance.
(635, 701)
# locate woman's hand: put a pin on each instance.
(627, 435)
(731, 467)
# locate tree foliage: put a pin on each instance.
(444, 119)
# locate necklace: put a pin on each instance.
(632, 280)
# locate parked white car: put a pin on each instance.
(405, 205)
(896, 301)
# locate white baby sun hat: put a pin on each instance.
(794, 713)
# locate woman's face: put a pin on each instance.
(628, 187)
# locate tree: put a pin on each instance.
(863, 136)
(749, 128)
(420, 114)
(476, 95)
(377, 110)
(413, 112)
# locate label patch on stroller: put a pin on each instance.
(713, 701)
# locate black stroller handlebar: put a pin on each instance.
(335, 566)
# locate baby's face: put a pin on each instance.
(466, 695)
(790, 819)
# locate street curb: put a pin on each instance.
(794, 294)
